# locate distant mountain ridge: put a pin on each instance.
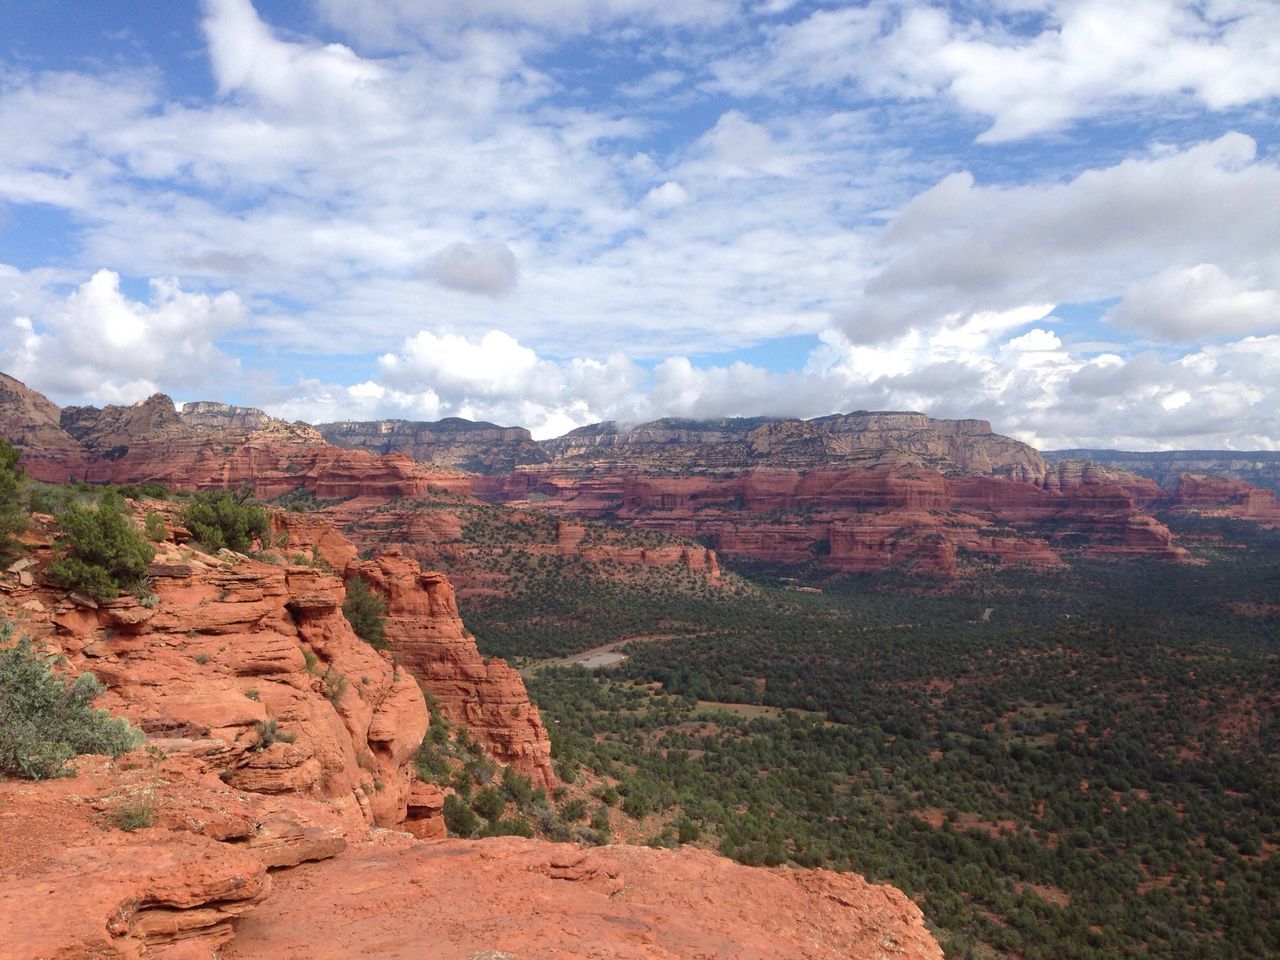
(858, 492)
(1261, 468)
(859, 439)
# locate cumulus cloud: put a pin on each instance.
(1192, 303)
(486, 268)
(247, 57)
(961, 247)
(97, 345)
(1082, 59)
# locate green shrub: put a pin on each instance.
(573, 810)
(458, 818)
(220, 518)
(509, 827)
(102, 551)
(518, 788)
(13, 507)
(155, 528)
(489, 804)
(366, 611)
(431, 764)
(45, 720)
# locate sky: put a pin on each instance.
(1062, 216)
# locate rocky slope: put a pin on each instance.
(276, 738)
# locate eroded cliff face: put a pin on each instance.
(485, 695)
(232, 644)
(278, 744)
(207, 445)
(845, 440)
(461, 444)
(1227, 497)
(864, 520)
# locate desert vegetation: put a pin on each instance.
(47, 719)
(1089, 771)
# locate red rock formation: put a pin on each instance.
(72, 888)
(233, 643)
(865, 520)
(211, 446)
(487, 696)
(226, 649)
(546, 901)
(1232, 498)
(76, 887)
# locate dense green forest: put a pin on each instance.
(1083, 763)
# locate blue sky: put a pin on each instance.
(1059, 215)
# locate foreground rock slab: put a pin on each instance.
(532, 900)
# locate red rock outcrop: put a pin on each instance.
(72, 887)
(277, 739)
(547, 901)
(1233, 498)
(487, 696)
(76, 887)
(233, 644)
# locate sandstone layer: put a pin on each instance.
(860, 439)
(1259, 468)
(230, 647)
(557, 901)
(863, 520)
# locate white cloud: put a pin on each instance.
(1192, 303)
(486, 268)
(1085, 58)
(95, 344)
(323, 182)
(961, 247)
(668, 196)
(1033, 386)
(247, 57)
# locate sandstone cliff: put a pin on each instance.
(859, 439)
(861, 520)
(205, 445)
(453, 442)
(277, 742)
(1259, 468)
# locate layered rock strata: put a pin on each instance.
(452, 442)
(487, 696)
(861, 520)
(206, 445)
